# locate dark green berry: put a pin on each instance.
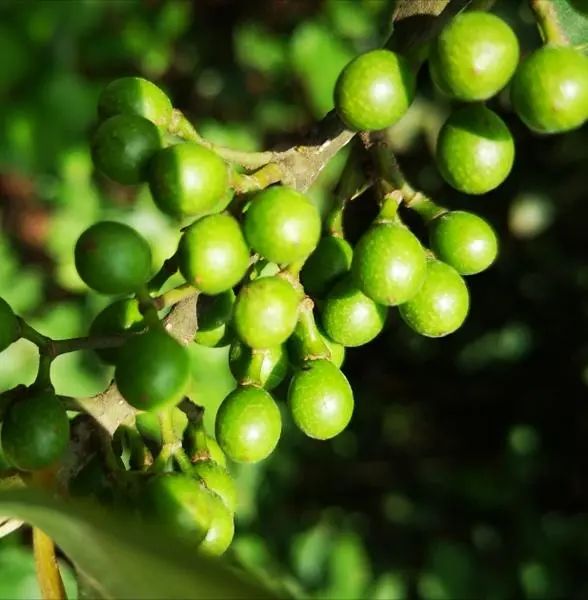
(112, 258)
(9, 325)
(248, 424)
(441, 305)
(214, 311)
(330, 260)
(374, 90)
(217, 480)
(220, 532)
(475, 150)
(266, 367)
(123, 147)
(282, 225)
(35, 431)
(214, 338)
(213, 255)
(464, 241)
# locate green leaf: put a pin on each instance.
(123, 558)
(572, 22)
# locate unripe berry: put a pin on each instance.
(214, 311)
(217, 480)
(269, 365)
(220, 532)
(9, 325)
(330, 260)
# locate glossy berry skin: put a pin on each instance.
(266, 311)
(213, 255)
(9, 326)
(282, 225)
(475, 150)
(331, 260)
(441, 305)
(220, 532)
(35, 431)
(248, 424)
(214, 338)
(464, 241)
(153, 371)
(123, 147)
(550, 90)
(135, 96)
(217, 480)
(389, 264)
(374, 90)
(214, 311)
(117, 318)
(474, 56)
(268, 367)
(320, 399)
(188, 180)
(351, 318)
(112, 258)
(296, 352)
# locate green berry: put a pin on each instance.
(441, 305)
(220, 532)
(214, 338)
(9, 325)
(266, 367)
(123, 147)
(35, 431)
(374, 90)
(153, 371)
(464, 241)
(550, 89)
(217, 480)
(117, 318)
(113, 258)
(296, 348)
(135, 96)
(320, 399)
(248, 424)
(351, 318)
(475, 150)
(266, 311)
(188, 180)
(389, 264)
(214, 311)
(282, 225)
(213, 255)
(474, 56)
(330, 260)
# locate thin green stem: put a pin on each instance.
(259, 180)
(548, 22)
(175, 295)
(88, 343)
(182, 460)
(169, 268)
(313, 345)
(148, 309)
(43, 379)
(31, 334)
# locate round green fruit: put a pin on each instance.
(117, 318)
(266, 311)
(282, 225)
(112, 258)
(188, 180)
(214, 311)
(441, 305)
(218, 480)
(475, 150)
(389, 264)
(320, 399)
(153, 371)
(35, 431)
(267, 367)
(9, 325)
(550, 89)
(214, 338)
(296, 348)
(374, 90)
(464, 241)
(351, 318)
(331, 259)
(474, 56)
(248, 424)
(220, 532)
(135, 96)
(123, 147)
(213, 255)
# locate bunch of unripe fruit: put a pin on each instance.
(286, 293)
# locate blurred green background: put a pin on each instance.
(464, 472)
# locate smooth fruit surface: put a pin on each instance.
(213, 255)
(464, 241)
(218, 480)
(112, 258)
(266, 311)
(220, 531)
(351, 318)
(282, 224)
(214, 338)
(296, 348)
(475, 150)
(374, 90)
(9, 326)
(474, 56)
(214, 311)
(320, 399)
(550, 89)
(188, 180)
(135, 96)
(123, 147)
(35, 431)
(248, 424)
(153, 371)
(266, 367)
(441, 305)
(331, 259)
(389, 264)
